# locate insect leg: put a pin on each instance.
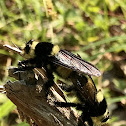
(50, 80)
(26, 62)
(85, 118)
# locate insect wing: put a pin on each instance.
(74, 62)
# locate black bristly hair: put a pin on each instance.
(43, 49)
(28, 46)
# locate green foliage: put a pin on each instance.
(6, 108)
(22, 124)
(116, 99)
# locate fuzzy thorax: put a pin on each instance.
(55, 49)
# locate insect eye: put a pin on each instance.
(27, 49)
(28, 46)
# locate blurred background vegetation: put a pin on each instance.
(94, 29)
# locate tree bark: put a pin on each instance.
(29, 95)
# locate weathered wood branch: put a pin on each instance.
(28, 94)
